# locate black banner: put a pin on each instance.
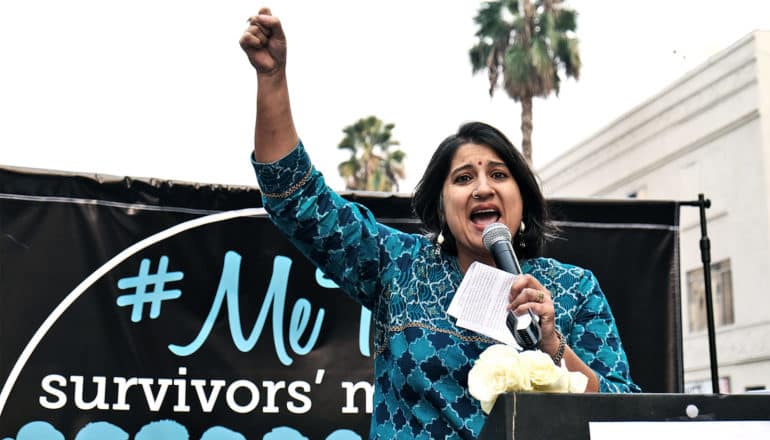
(632, 246)
(161, 310)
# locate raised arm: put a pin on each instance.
(265, 45)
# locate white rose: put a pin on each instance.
(501, 369)
(485, 384)
(560, 385)
(540, 367)
(491, 375)
(486, 381)
(567, 382)
(488, 378)
(517, 377)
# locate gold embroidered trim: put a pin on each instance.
(292, 189)
(400, 328)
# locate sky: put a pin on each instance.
(160, 88)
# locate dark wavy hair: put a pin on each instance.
(427, 201)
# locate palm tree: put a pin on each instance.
(372, 165)
(531, 41)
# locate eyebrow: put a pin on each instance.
(490, 164)
(460, 168)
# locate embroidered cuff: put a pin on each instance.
(283, 177)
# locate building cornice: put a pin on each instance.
(724, 75)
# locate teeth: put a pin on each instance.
(485, 215)
(485, 211)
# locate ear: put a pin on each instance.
(441, 216)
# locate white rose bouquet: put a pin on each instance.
(502, 369)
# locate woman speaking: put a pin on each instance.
(476, 177)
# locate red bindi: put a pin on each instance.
(479, 163)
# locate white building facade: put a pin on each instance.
(708, 133)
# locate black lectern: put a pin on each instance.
(527, 416)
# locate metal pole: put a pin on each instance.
(705, 255)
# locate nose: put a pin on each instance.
(483, 189)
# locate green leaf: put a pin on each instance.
(371, 166)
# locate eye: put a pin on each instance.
(463, 178)
(499, 175)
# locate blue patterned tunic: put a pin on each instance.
(421, 358)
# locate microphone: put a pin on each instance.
(497, 239)
(526, 328)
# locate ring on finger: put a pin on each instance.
(540, 297)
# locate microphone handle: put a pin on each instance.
(505, 258)
(528, 337)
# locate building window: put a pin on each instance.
(722, 295)
(756, 389)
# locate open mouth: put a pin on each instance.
(483, 217)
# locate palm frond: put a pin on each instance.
(569, 56)
(565, 20)
(517, 72)
(479, 55)
(348, 168)
(369, 141)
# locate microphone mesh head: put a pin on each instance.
(495, 232)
